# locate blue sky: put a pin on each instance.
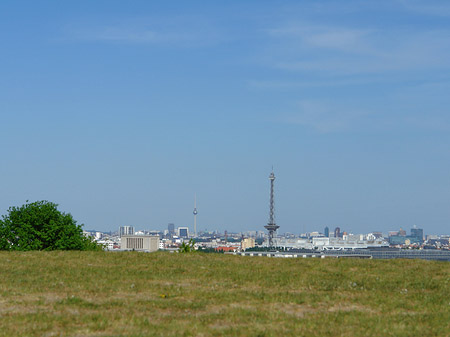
(121, 111)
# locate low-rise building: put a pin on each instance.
(143, 243)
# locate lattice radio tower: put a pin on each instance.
(271, 226)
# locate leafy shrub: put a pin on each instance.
(41, 226)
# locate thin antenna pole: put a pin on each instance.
(195, 214)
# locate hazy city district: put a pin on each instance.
(329, 242)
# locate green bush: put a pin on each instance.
(41, 226)
(187, 247)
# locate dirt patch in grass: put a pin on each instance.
(351, 307)
(298, 311)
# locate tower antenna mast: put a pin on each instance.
(271, 226)
(195, 215)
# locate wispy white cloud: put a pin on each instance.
(324, 117)
(344, 39)
(429, 7)
(274, 84)
(174, 31)
(341, 51)
(130, 35)
(328, 117)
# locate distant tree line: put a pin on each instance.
(209, 250)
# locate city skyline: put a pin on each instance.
(326, 231)
(120, 113)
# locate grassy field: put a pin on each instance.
(163, 294)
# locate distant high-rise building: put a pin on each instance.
(404, 240)
(327, 232)
(247, 243)
(126, 230)
(337, 232)
(171, 229)
(183, 232)
(402, 232)
(417, 233)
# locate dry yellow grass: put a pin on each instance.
(163, 294)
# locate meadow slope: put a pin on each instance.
(169, 294)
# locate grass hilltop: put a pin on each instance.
(162, 294)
